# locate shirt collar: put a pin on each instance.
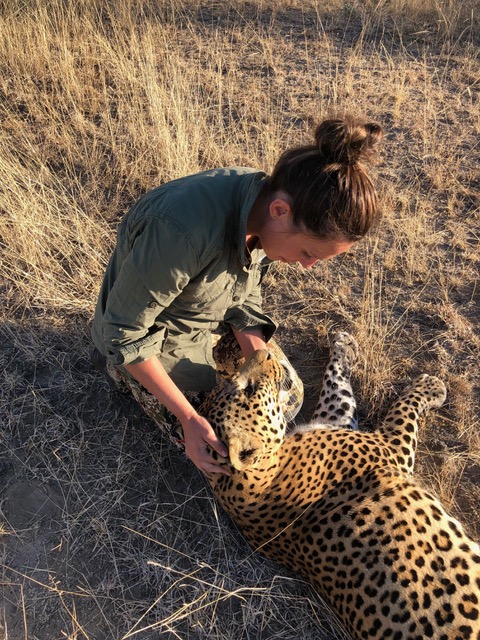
(249, 194)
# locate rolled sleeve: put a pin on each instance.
(139, 350)
(246, 317)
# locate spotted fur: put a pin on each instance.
(341, 507)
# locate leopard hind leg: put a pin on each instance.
(400, 426)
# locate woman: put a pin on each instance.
(191, 254)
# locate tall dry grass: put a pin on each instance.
(108, 533)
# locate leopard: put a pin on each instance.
(340, 506)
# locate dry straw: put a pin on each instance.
(108, 532)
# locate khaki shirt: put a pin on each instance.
(178, 270)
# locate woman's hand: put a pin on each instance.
(198, 434)
(197, 431)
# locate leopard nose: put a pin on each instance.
(245, 459)
(244, 450)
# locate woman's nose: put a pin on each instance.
(308, 262)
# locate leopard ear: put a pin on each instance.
(250, 388)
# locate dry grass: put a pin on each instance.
(107, 532)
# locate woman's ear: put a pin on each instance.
(280, 206)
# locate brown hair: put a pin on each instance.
(332, 193)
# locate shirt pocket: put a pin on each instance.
(210, 292)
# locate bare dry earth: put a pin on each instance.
(108, 531)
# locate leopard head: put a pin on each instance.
(246, 411)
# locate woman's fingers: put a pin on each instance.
(199, 435)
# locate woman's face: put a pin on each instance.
(305, 249)
(281, 241)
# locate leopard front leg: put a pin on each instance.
(336, 406)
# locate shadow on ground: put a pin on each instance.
(109, 530)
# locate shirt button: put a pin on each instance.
(236, 298)
(152, 304)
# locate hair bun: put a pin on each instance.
(347, 140)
